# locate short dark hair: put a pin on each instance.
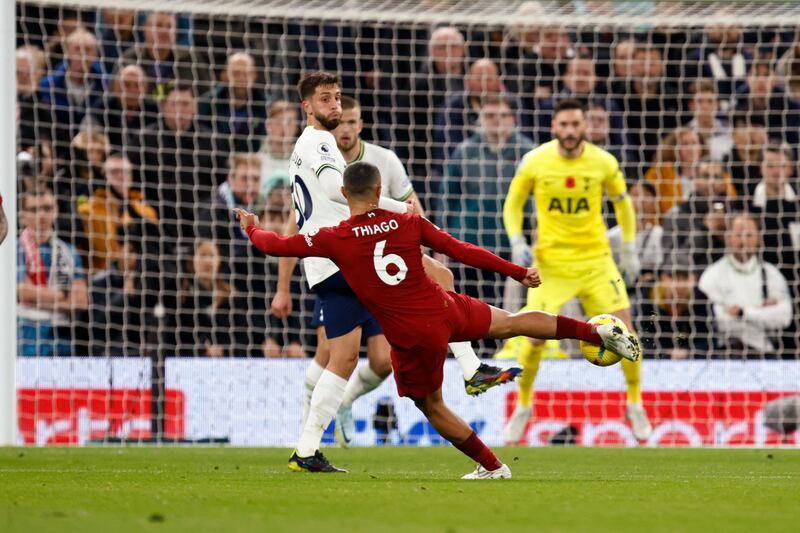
(778, 148)
(361, 177)
(34, 188)
(181, 86)
(348, 102)
(309, 82)
(567, 104)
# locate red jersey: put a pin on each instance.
(379, 255)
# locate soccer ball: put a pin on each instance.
(598, 355)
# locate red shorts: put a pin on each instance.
(419, 369)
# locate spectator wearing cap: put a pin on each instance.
(750, 297)
(235, 110)
(165, 62)
(67, 92)
(283, 122)
(673, 315)
(762, 96)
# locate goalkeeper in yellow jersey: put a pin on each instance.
(567, 177)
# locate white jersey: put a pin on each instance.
(314, 151)
(394, 179)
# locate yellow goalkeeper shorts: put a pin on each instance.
(596, 282)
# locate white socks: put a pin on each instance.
(466, 357)
(363, 381)
(325, 402)
(313, 372)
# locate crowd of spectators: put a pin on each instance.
(139, 131)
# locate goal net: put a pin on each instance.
(144, 314)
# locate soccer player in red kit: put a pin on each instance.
(379, 254)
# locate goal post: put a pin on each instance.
(8, 262)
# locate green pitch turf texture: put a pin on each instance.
(397, 489)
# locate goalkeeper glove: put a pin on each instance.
(521, 251)
(629, 263)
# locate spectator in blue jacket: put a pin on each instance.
(68, 91)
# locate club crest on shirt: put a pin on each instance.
(324, 149)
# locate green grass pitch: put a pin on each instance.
(397, 489)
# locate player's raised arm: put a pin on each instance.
(472, 255)
(276, 245)
(514, 211)
(626, 218)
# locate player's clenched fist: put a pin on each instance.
(532, 278)
(246, 219)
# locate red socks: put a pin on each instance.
(476, 450)
(569, 328)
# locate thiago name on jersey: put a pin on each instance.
(376, 229)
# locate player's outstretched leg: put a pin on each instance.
(541, 325)
(455, 430)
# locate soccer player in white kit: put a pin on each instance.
(316, 171)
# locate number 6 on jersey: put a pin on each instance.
(382, 263)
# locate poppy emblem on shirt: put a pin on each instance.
(569, 183)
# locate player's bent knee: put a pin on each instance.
(343, 362)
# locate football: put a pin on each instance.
(598, 355)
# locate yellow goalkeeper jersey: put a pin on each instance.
(569, 198)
